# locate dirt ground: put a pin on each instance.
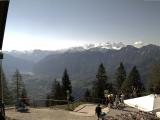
(47, 114)
(83, 112)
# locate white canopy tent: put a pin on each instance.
(149, 103)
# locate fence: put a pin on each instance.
(58, 103)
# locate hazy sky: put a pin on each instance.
(56, 24)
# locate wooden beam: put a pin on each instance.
(3, 16)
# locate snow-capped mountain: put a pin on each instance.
(106, 45)
(97, 47)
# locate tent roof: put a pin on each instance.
(146, 103)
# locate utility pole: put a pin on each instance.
(3, 16)
(68, 96)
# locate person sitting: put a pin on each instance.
(21, 106)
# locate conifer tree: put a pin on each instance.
(120, 75)
(66, 84)
(57, 91)
(133, 84)
(154, 78)
(6, 93)
(126, 87)
(135, 79)
(17, 85)
(101, 83)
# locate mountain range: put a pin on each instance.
(25, 60)
(82, 63)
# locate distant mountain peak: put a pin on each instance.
(151, 46)
(131, 47)
(97, 47)
(107, 45)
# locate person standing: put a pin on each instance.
(116, 101)
(98, 111)
(122, 98)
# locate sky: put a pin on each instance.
(60, 24)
